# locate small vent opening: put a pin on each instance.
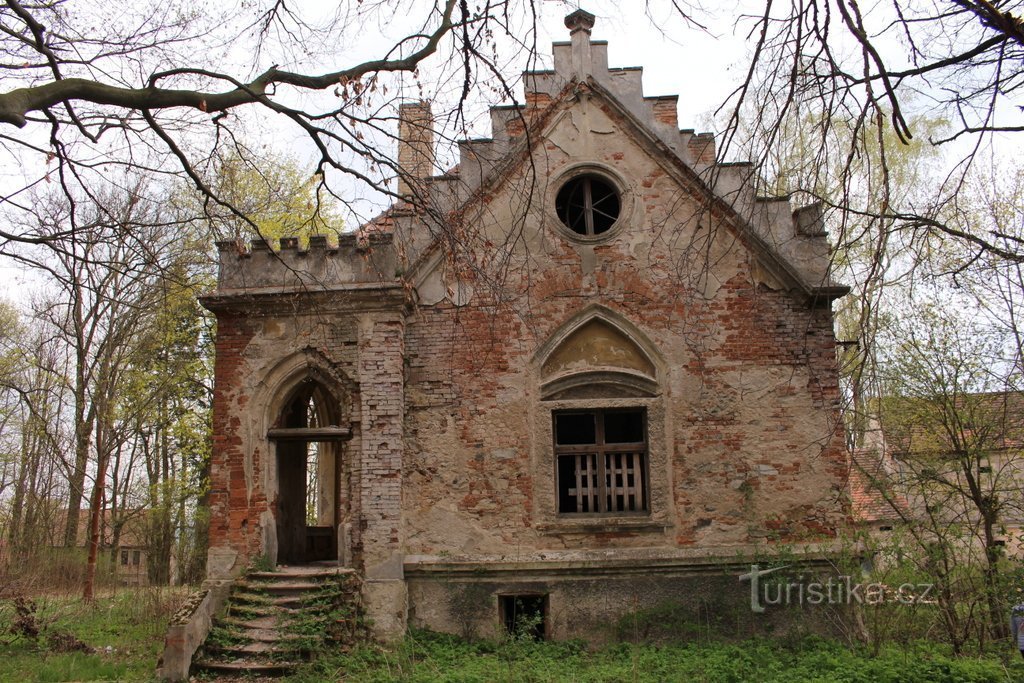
(524, 616)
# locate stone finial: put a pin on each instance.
(579, 24)
(580, 20)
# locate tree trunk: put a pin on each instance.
(83, 436)
(95, 514)
(14, 531)
(999, 627)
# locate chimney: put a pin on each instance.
(415, 144)
(579, 24)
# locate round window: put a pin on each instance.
(588, 205)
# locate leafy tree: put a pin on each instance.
(92, 89)
(108, 278)
(171, 428)
(877, 70)
(271, 191)
(32, 435)
(10, 363)
(953, 417)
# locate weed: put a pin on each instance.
(262, 563)
(428, 657)
(115, 637)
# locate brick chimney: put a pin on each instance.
(415, 144)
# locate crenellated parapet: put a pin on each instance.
(355, 260)
(382, 250)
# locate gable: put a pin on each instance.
(605, 121)
(516, 215)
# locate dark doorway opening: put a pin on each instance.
(524, 616)
(311, 500)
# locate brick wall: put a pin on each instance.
(234, 506)
(747, 437)
(381, 346)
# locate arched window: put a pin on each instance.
(599, 381)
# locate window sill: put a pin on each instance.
(598, 525)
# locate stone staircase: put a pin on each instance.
(273, 621)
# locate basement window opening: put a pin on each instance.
(588, 205)
(601, 461)
(524, 616)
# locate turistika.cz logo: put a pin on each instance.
(839, 590)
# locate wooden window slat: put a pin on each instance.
(579, 481)
(638, 483)
(606, 478)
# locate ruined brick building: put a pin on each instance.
(583, 373)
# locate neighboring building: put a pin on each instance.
(872, 498)
(589, 373)
(130, 553)
(928, 461)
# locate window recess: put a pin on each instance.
(601, 461)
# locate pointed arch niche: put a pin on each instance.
(600, 393)
(597, 354)
(309, 425)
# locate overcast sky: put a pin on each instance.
(701, 67)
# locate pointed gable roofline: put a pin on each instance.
(789, 245)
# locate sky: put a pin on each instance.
(700, 66)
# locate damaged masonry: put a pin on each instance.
(647, 398)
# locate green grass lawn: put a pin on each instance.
(431, 657)
(125, 631)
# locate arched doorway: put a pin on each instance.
(311, 490)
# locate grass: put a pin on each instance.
(433, 658)
(125, 631)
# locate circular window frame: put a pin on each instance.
(604, 174)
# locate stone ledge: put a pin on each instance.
(639, 561)
(187, 633)
(597, 526)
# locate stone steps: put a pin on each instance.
(245, 668)
(257, 647)
(272, 621)
(263, 632)
(286, 601)
(261, 623)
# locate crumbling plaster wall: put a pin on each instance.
(743, 436)
(264, 350)
(634, 602)
(451, 401)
